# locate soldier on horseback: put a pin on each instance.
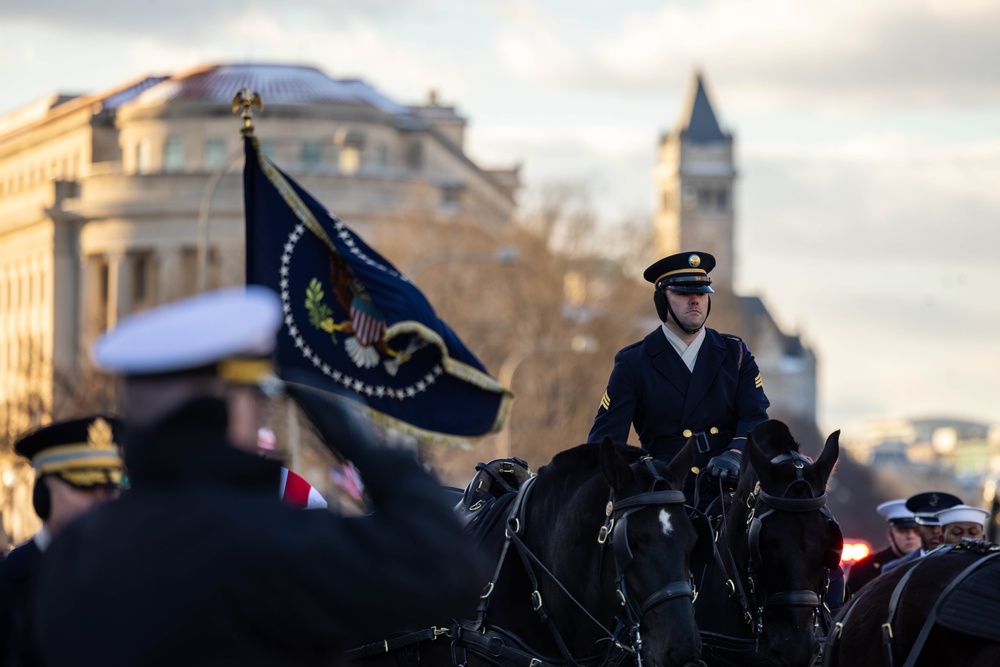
(685, 380)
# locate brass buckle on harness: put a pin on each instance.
(439, 632)
(536, 600)
(602, 534)
(534, 662)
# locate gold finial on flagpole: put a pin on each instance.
(246, 100)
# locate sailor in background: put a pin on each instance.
(962, 522)
(901, 530)
(925, 507)
(200, 563)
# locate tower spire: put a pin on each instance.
(697, 122)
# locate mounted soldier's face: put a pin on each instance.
(690, 309)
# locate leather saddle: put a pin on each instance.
(498, 480)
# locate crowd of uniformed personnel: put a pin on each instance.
(198, 561)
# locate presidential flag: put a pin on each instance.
(353, 317)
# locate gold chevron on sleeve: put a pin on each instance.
(606, 401)
(759, 381)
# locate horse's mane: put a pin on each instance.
(584, 460)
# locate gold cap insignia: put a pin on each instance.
(694, 261)
(99, 435)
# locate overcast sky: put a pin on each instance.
(868, 138)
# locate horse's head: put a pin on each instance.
(792, 540)
(650, 535)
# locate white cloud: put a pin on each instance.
(777, 53)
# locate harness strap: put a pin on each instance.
(505, 649)
(388, 645)
(678, 589)
(897, 592)
(833, 642)
(914, 654)
(528, 558)
(515, 516)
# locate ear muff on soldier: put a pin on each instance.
(41, 499)
(660, 301)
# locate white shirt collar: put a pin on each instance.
(43, 538)
(687, 351)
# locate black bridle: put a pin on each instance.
(626, 638)
(624, 557)
(762, 505)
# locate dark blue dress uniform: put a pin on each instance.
(652, 388)
(200, 562)
(83, 453)
(17, 591)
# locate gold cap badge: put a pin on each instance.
(99, 435)
(694, 261)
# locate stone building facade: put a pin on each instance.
(114, 202)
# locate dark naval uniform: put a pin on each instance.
(200, 563)
(652, 388)
(868, 568)
(17, 581)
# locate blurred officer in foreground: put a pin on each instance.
(925, 507)
(685, 380)
(200, 563)
(962, 522)
(901, 529)
(78, 467)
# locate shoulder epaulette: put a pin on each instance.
(732, 337)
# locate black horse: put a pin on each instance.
(761, 602)
(940, 610)
(593, 568)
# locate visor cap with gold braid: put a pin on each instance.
(229, 333)
(83, 452)
(685, 272)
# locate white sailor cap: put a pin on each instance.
(895, 513)
(229, 332)
(962, 513)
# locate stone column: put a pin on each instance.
(168, 278)
(119, 287)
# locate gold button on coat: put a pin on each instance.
(686, 433)
(713, 430)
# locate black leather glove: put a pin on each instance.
(725, 467)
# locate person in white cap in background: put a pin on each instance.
(901, 529)
(925, 507)
(200, 563)
(962, 522)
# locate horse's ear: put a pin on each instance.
(614, 467)
(680, 465)
(828, 457)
